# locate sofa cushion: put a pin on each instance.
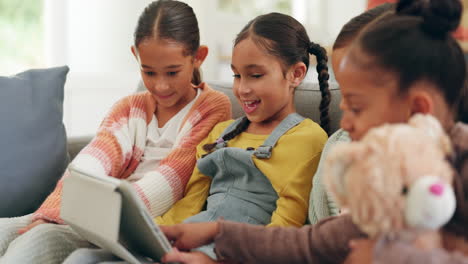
(33, 152)
(307, 100)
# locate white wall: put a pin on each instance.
(90, 35)
(55, 32)
(205, 10)
(326, 17)
(341, 11)
(94, 37)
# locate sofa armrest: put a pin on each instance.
(76, 144)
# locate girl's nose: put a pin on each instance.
(345, 122)
(342, 105)
(243, 88)
(160, 86)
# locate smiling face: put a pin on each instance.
(370, 97)
(167, 73)
(262, 88)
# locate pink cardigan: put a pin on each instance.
(120, 142)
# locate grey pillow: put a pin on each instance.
(33, 153)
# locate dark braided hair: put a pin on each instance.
(416, 45)
(170, 20)
(462, 111)
(242, 126)
(323, 76)
(285, 38)
(457, 225)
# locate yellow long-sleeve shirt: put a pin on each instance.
(290, 170)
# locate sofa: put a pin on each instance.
(34, 148)
(307, 100)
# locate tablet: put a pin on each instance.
(109, 213)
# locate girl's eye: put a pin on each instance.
(354, 109)
(404, 190)
(257, 76)
(150, 73)
(172, 73)
(237, 76)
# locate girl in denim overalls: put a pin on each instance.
(258, 169)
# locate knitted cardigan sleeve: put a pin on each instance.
(119, 144)
(108, 152)
(161, 188)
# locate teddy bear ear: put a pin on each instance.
(432, 127)
(336, 164)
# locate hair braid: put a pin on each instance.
(323, 76)
(241, 127)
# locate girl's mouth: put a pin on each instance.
(163, 96)
(250, 106)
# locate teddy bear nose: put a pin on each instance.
(436, 189)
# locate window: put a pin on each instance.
(221, 20)
(251, 8)
(21, 35)
(47, 33)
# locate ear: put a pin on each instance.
(135, 52)
(200, 56)
(297, 72)
(421, 102)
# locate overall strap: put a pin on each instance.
(264, 151)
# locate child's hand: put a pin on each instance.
(187, 257)
(362, 251)
(30, 226)
(193, 235)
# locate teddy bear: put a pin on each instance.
(396, 179)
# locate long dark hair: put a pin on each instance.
(171, 20)
(285, 38)
(415, 44)
(462, 111)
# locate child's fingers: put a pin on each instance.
(178, 256)
(176, 235)
(172, 256)
(182, 245)
(171, 232)
(187, 257)
(23, 230)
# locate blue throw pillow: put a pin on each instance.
(33, 154)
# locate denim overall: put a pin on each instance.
(239, 191)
